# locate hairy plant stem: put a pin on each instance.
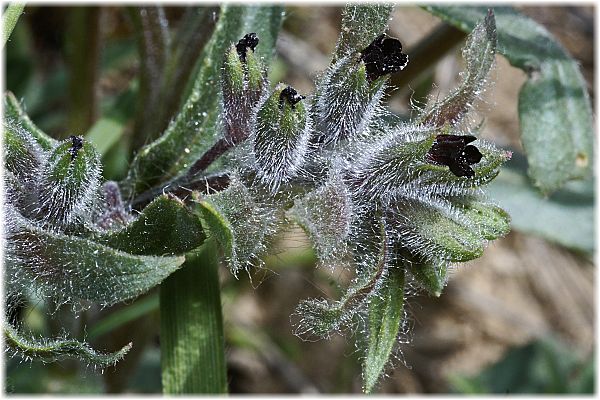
(191, 327)
(182, 187)
(9, 20)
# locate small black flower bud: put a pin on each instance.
(249, 41)
(383, 56)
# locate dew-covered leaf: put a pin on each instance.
(49, 350)
(165, 226)
(479, 55)
(326, 216)
(71, 268)
(554, 105)
(361, 23)
(195, 128)
(386, 314)
(240, 224)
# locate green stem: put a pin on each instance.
(10, 18)
(192, 342)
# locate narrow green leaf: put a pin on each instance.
(194, 129)
(165, 226)
(554, 105)
(361, 24)
(71, 268)
(57, 349)
(479, 54)
(13, 110)
(434, 233)
(9, 20)
(386, 313)
(191, 327)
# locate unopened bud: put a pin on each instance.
(281, 136)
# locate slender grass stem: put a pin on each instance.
(192, 341)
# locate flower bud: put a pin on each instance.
(243, 81)
(69, 182)
(281, 138)
(346, 101)
(22, 154)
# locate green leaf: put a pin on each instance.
(386, 313)
(165, 226)
(565, 217)
(326, 216)
(479, 54)
(10, 16)
(282, 134)
(194, 129)
(554, 105)
(57, 349)
(13, 110)
(361, 24)
(556, 125)
(239, 224)
(71, 268)
(191, 327)
(433, 232)
(430, 276)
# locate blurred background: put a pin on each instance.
(518, 320)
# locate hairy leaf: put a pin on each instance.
(281, 139)
(49, 350)
(14, 111)
(386, 313)
(554, 105)
(165, 226)
(69, 182)
(240, 224)
(70, 268)
(361, 24)
(479, 55)
(326, 216)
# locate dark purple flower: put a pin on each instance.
(290, 95)
(76, 145)
(383, 56)
(249, 41)
(455, 152)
